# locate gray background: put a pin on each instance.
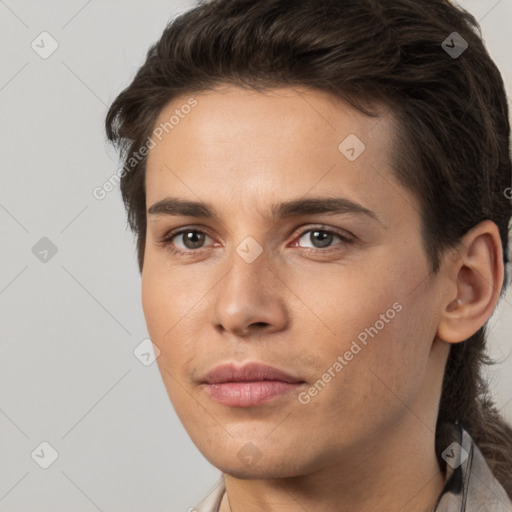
(70, 324)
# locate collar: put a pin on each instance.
(470, 485)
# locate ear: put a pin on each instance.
(474, 277)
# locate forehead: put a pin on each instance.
(287, 120)
(262, 147)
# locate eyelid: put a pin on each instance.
(342, 233)
(298, 233)
(345, 237)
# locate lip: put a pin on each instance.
(247, 372)
(249, 384)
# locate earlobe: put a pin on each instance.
(477, 272)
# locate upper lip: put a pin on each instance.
(248, 372)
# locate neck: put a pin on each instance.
(397, 472)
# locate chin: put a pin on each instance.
(265, 467)
(257, 472)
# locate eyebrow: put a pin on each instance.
(308, 206)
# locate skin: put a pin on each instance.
(366, 441)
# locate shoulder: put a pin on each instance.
(470, 484)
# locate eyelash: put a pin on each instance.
(166, 242)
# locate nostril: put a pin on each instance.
(260, 324)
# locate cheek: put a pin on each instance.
(375, 318)
(162, 312)
(169, 303)
(154, 305)
(396, 356)
(168, 295)
(343, 303)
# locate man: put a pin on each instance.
(318, 189)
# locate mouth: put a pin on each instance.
(248, 385)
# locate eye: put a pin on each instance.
(190, 240)
(322, 238)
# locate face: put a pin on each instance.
(305, 256)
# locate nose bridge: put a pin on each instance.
(249, 256)
(250, 291)
(249, 271)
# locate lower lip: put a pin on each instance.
(249, 394)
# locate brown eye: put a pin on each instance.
(186, 240)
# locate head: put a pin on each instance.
(244, 105)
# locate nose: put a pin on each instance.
(251, 299)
